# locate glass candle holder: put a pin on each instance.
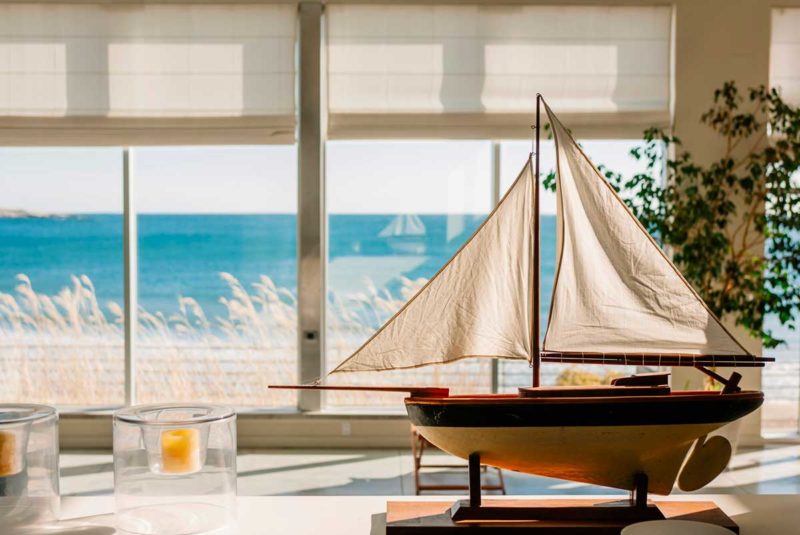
(175, 469)
(28, 465)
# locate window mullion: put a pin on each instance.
(130, 275)
(311, 243)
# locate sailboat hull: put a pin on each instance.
(602, 441)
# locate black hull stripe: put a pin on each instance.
(602, 413)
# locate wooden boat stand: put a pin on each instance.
(584, 516)
(636, 509)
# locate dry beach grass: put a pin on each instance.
(67, 349)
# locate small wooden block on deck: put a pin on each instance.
(433, 518)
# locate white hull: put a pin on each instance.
(607, 456)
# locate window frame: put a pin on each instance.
(91, 427)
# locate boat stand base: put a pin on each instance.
(542, 517)
(620, 510)
(551, 516)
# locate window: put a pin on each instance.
(474, 71)
(217, 233)
(781, 379)
(61, 276)
(394, 218)
(217, 274)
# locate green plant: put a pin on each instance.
(733, 225)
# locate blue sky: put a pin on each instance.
(363, 177)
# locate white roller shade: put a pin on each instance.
(447, 69)
(784, 72)
(139, 73)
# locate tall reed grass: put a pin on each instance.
(67, 349)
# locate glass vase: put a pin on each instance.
(28, 465)
(175, 469)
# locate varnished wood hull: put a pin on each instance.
(602, 441)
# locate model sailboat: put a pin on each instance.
(617, 299)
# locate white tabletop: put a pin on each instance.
(364, 515)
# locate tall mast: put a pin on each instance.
(536, 357)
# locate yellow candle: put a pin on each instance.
(180, 451)
(10, 461)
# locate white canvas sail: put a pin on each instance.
(477, 305)
(615, 291)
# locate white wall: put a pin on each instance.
(717, 41)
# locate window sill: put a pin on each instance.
(264, 428)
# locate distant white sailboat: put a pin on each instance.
(405, 234)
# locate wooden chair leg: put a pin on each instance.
(418, 446)
(502, 484)
(416, 453)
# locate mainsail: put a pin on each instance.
(477, 305)
(615, 291)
